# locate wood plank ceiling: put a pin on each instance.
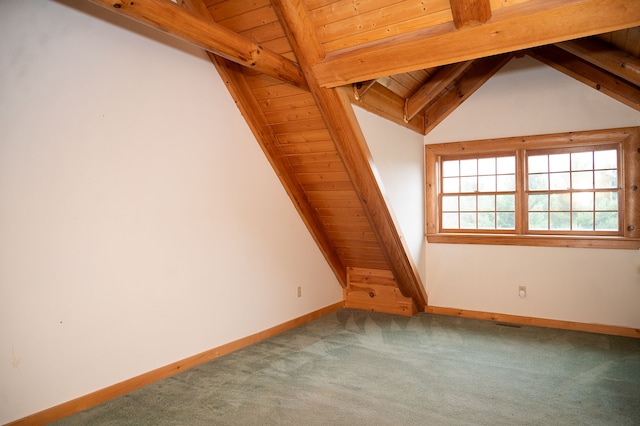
(294, 67)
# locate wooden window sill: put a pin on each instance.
(536, 240)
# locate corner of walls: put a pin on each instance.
(398, 154)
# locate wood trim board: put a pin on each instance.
(613, 330)
(102, 395)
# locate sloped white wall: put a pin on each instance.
(140, 222)
(584, 285)
(398, 154)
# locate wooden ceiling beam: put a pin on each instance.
(433, 87)
(588, 74)
(606, 57)
(390, 106)
(351, 145)
(172, 19)
(470, 13)
(512, 28)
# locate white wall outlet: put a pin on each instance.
(522, 291)
(299, 291)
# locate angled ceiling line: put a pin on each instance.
(172, 19)
(464, 86)
(605, 56)
(589, 74)
(435, 85)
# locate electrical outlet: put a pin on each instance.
(299, 291)
(522, 291)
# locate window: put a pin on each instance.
(575, 190)
(478, 193)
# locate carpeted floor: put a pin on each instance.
(363, 368)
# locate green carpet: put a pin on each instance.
(363, 368)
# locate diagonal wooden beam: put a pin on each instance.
(390, 106)
(462, 88)
(606, 57)
(525, 25)
(588, 74)
(469, 13)
(351, 145)
(361, 88)
(434, 86)
(172, 19)
(259, 124)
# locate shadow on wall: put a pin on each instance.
(99, 12)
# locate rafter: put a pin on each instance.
(469, 13)
(433, 87)
(606, 57)
(589, 74)
(390, 106)
(462, 88)
(343, 125)
(172, 19)
(512, 28)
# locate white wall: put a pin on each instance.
(398, 154)
(140, 222)
(584, 285)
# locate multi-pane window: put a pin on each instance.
(575, 189)
(479, 193)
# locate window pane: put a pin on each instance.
(582, 201)
(506, 183)
(605, 159)
(506, 202)
(506, 165)
(468, 203)
(606, 178)
(486, 220)
(606, 221)
(538, 182)
(468, 184)
(560, 202)
(582, 221)
(606, 201)
(538, 221)
(467, 221)
(506, 220)
(468, 167)
(538, 202)
(559, 181)
(538, 164)
(487, 183)
(450, 220)
(560, 221)
(582, 180)
(559, 163)
(450, 168)
(450, 185)
(486, 202)
(450, 204)
(582, 161)
(487, 166)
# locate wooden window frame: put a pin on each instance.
(628, 139)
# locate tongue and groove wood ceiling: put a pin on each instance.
(294, 68)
